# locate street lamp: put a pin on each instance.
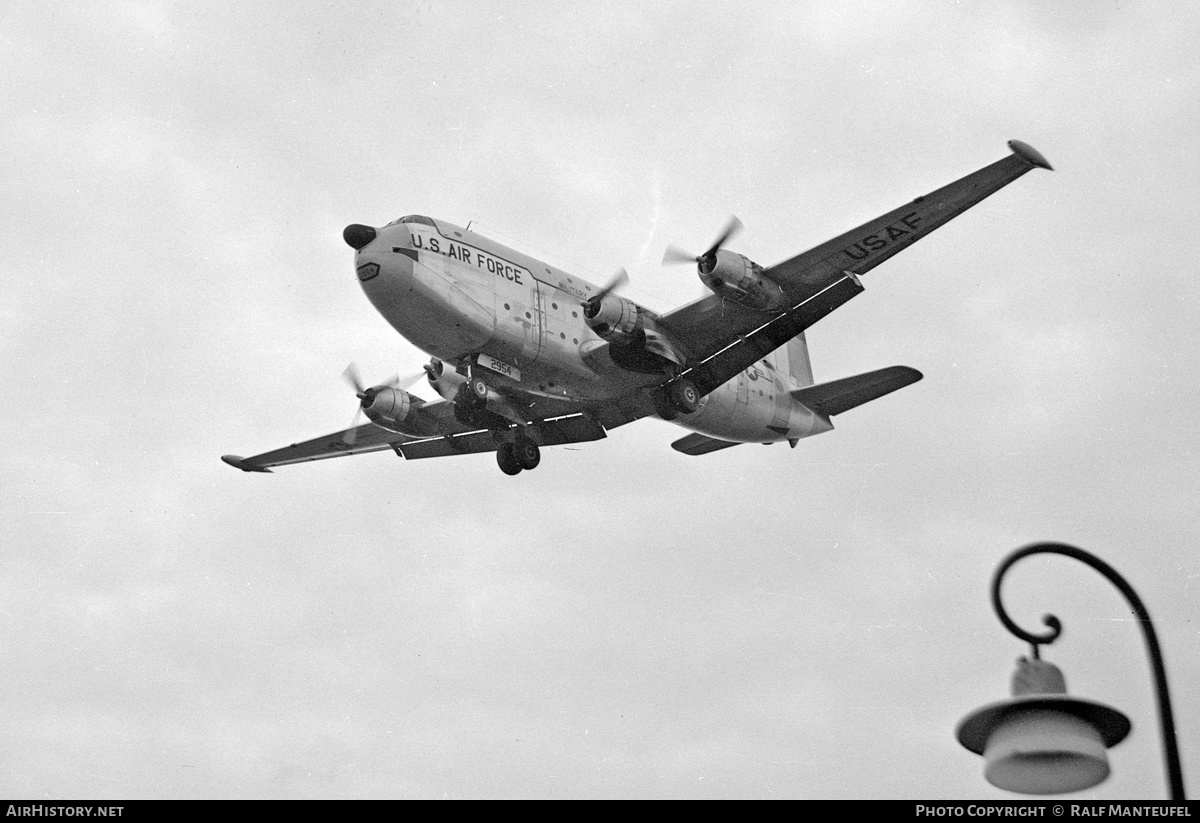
(1044, 742)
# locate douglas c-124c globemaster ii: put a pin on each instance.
(526, 355)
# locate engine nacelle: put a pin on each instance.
(445, 381)
(615, 319)
(740, 280)
(393, 409)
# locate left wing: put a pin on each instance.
(823, 278)
(872, 243)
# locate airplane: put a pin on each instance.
(526, 355)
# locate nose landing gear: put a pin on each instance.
(476, 390)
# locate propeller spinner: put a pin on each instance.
(705, 261)
(591, 306)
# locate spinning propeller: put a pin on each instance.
(591, 306)
(366, 396)
(674, 254)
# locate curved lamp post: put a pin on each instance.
(1042, 741)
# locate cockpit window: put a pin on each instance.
(412, 218)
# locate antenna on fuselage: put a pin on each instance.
(469, 222)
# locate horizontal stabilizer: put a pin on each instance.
(699, 444)
(842, 395)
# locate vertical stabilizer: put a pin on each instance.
(793, 359)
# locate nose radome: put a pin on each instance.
(357, 235)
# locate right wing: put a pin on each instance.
(456, 438)
(575, 428)
(368, 438)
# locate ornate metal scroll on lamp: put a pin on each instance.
(1042, 741)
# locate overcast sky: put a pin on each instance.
(626, 621)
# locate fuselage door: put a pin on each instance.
(539, 321)
(743, 390)
(519, 317)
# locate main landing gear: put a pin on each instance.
(518, 455)
(470, 408)
(676, 398)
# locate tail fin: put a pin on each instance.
(792, 358)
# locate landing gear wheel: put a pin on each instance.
(477, 389)
(685, 396)
(527, 454)
(662, 405)
(506, 458)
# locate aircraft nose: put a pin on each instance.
(357, 235)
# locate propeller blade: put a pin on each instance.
(674, 254)
(352, 433)
(353, 378)
(731, 228)
(395, 381)
(407, 380)
(618, 280)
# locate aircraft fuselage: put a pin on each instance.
(465, 299)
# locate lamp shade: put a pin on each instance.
(1042, 741)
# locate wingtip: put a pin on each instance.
(1029, 154)
(239, 462)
